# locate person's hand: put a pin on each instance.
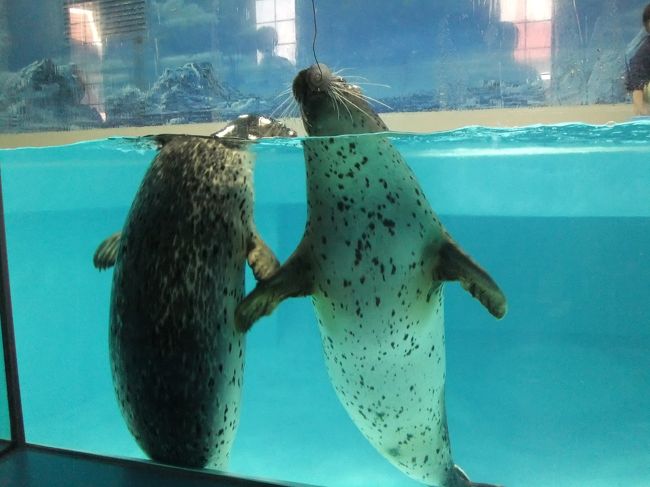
(642, 109)
(639, 105)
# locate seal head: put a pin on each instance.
(329, 105)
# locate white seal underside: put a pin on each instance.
(379, 308)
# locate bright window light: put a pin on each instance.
(533, 20)
(83, 27)
(285, 10)
(86, 53)
(265, 11)
(513, 10)
(280, 15)
(539, 10)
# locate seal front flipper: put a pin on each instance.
(295, 278)
(106, 253)
(455, 265)
(261, 258)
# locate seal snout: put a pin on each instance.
(318, 77)
(315, 79)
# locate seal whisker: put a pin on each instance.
(339, 71)
(365, 81)
(368, 83)
(338, 92)
(304, 118)
(283, 92)
(291, 110)
(336, 105)
(285, 113)
(365, 97)
(335, 97)
(282, 106)
(347, 101)
(352, 76)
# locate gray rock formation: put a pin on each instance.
(190, 89)
(126, 107)
(4, 36)
(568, 85)
(43, 96)
(606, 58)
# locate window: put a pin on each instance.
(281, 16)
(89, 26)
(83, 28)
(86, 52)
(533, 20)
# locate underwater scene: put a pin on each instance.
(555, 393)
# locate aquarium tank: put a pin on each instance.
(514, 118)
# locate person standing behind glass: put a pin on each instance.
(638, 74)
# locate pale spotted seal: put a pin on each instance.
(374, 257)
(176, 357)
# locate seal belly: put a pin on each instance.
(380, 311)
(178, 367)
(388, 369)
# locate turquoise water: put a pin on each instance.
(558, 393)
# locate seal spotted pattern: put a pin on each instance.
(176, 357)
(374, 257)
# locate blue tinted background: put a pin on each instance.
(178, 61)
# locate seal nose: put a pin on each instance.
(318, 77)
(311, 80)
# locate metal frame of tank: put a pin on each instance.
(8, 341)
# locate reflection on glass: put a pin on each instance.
(280, 16)
(533, 22)
(539, 9)
(137, 62)
(87, 51)
(265, 11)
(83, 27)
(285, 10)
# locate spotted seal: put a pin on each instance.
(176, 357)
(374, 257)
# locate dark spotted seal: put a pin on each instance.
(176, 357)
(374, 258)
